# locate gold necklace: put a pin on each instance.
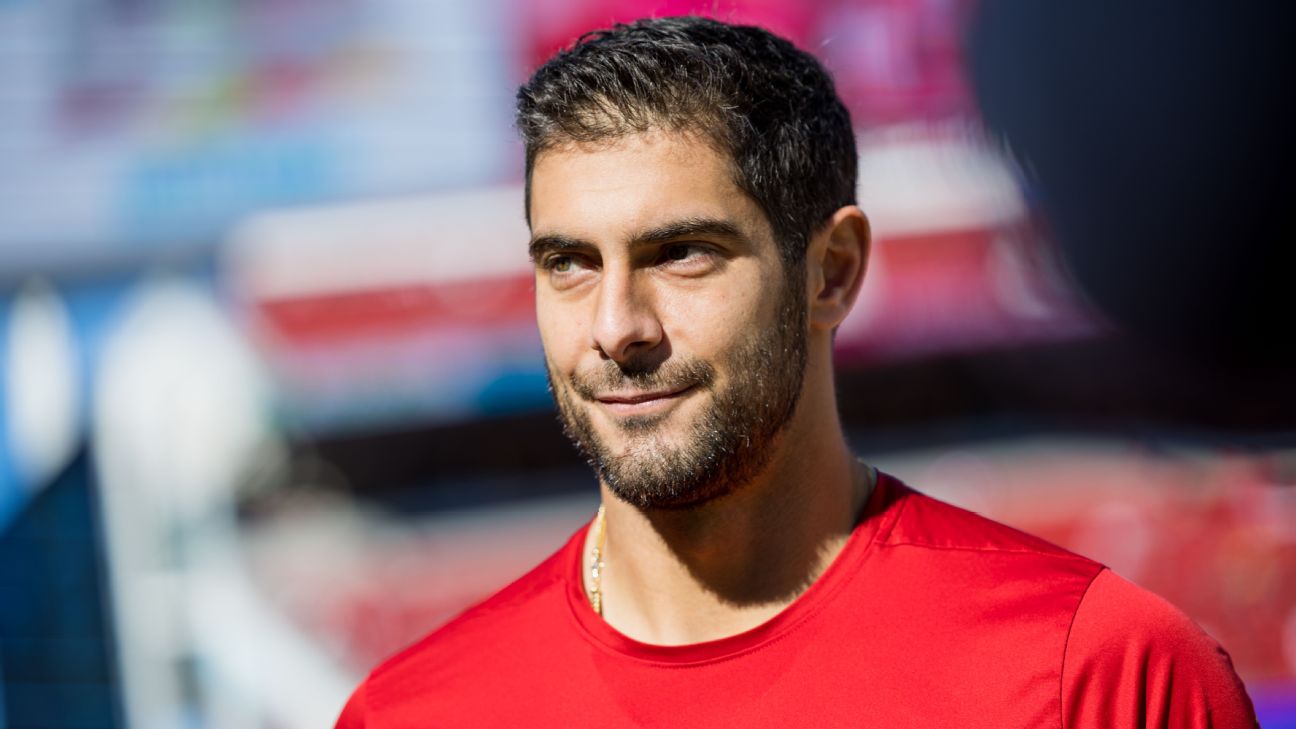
(600, 536)
(596, 563)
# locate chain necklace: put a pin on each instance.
(600, 537)
(596, 563)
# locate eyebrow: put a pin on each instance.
(548, 243)
(687, 228)
(674, 230)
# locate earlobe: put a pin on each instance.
(838, 257)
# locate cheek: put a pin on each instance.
(707, 322)
(562, 333)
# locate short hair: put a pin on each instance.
(769, 105)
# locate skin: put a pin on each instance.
(606, 291)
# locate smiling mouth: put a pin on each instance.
(638, 403)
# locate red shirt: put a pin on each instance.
(931, 616)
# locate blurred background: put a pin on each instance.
(273, 397)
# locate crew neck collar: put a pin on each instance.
(874, 518)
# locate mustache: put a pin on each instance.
(614, 377)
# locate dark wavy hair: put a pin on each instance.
(769, 105)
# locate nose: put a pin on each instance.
(625, 322)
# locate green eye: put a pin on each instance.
(560, 264)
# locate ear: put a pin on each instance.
(835, 261)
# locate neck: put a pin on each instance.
(683, 576)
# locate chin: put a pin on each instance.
(639, 440)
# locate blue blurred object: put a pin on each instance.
(55, 641)
(1275, 704)
(13, 490)
(92, 308)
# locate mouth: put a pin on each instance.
(641, 403)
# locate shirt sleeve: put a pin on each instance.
(1134, 660)
(353, 713)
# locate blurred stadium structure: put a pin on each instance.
(273, 397)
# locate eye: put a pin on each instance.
(563, 263)
(688, 259)
(682, 252)
(564, 270)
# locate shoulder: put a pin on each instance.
(1132, 656)
(495, 617)
(993, 589)
(927, 523)
(478, 641)
(1123, 655)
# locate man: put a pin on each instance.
(690, 191)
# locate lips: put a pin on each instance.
(634, 398)
(639, 402)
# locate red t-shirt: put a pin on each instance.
(931, 616)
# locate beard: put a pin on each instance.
(727, 445)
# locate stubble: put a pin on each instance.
(753, 391)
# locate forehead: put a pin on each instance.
(601, 191)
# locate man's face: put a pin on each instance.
(675, 341)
